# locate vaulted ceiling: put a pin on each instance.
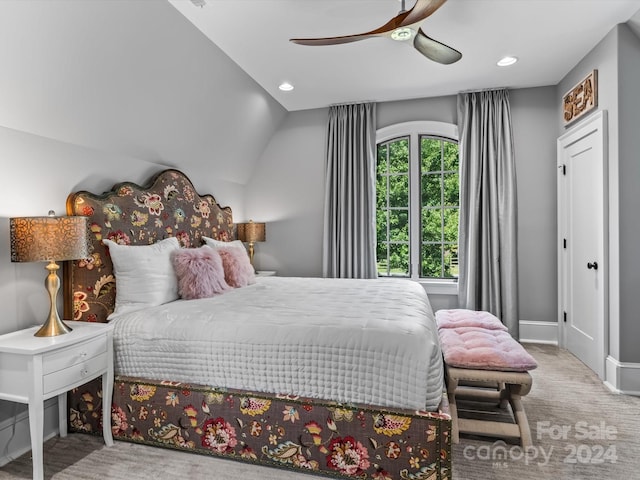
(548, 36)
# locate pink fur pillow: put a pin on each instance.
(459, 317)
(238, 271)
(200, 272)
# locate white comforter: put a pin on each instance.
(354, 341)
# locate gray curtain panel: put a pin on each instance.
(349, 246)
(488, 210)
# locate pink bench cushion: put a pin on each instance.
(459, 317)
(483, 349)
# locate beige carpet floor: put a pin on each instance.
(581, 431)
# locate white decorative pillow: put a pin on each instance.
(144, 274)
(220, 244)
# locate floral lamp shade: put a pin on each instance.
(49, 239)
(43, 239)
(252, 232)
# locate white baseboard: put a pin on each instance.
(622, 377)
(15, 439)
(539, 332)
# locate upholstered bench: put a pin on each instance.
(483, 362)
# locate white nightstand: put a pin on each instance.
(33, 369)
(265, 273)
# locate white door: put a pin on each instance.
(582, 228)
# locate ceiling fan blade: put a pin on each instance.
(331, 40)
(385, 29)
(434, 50)
(421, 10)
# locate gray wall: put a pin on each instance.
(287, 191)
(533, 113)
(438, 109)
(617, 59)
(132, 77)
(629, 177)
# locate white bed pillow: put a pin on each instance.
(220, 244)
(144, 274)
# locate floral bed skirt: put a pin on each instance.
(273, 430)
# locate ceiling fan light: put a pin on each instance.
(402, 34)
(285, 87)
(506, 61)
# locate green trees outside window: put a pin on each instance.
(438, 199)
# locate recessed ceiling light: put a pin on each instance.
(506, 61)
(286, 87)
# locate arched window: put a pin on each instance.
(418, 200)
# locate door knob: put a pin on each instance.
(593, 265)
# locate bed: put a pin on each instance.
(333, 376)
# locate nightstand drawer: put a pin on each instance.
(75, 354)
(63, 379)
(34, 369)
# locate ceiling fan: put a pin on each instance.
(403, 27)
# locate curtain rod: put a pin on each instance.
(351, 103)
(484, 89)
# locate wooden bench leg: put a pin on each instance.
(504, 396)
(520, 415)
(452, 385)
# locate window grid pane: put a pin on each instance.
(440, 199)
(392, 199)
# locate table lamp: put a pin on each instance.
(251, 233)
(49, 239)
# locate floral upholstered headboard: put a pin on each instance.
(134, 215)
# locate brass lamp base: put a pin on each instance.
(52, 329)
(53, 326)
(251, 252)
